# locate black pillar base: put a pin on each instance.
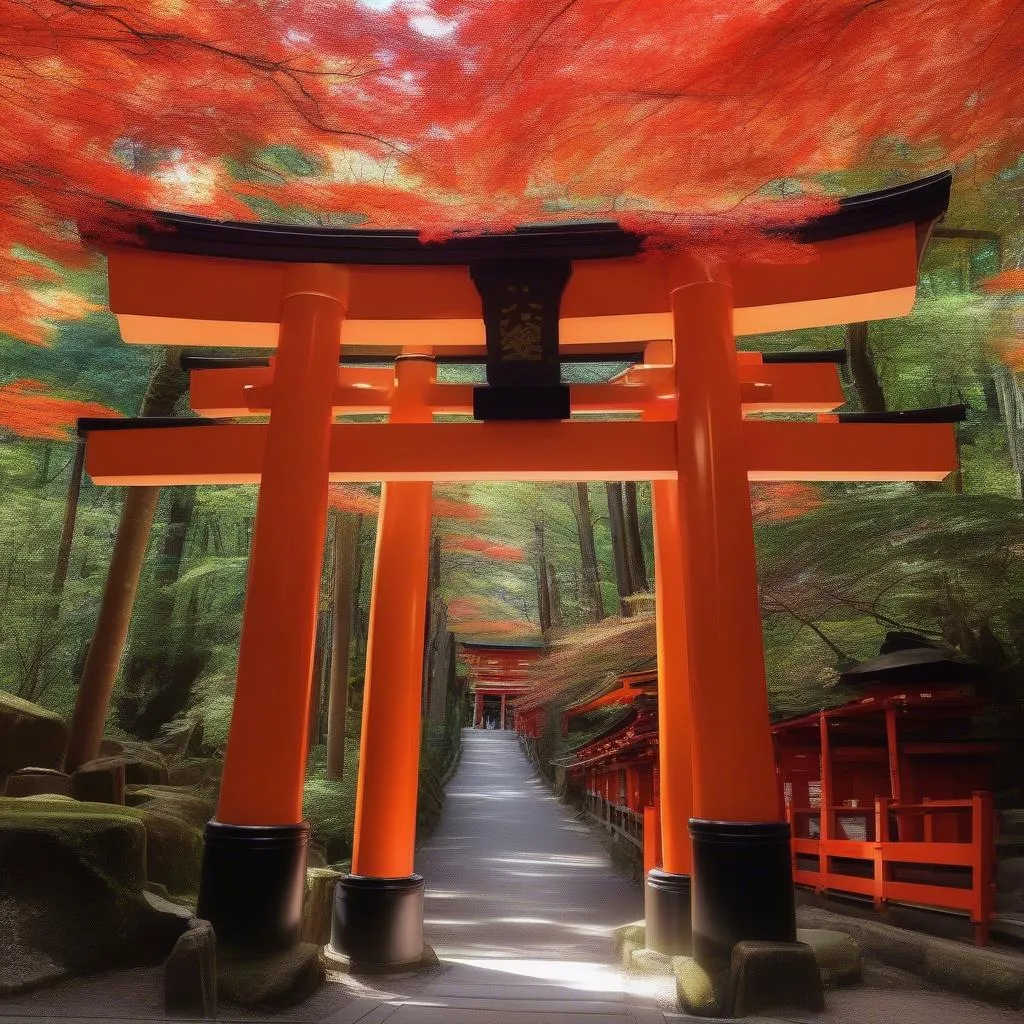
(742, 886)
(378, 922)
(252, 883)
(667, 913)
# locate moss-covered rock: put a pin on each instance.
(174, 849)
(71, 892)
(274, 981)
(30, 736)
(175, 801)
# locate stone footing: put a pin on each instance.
(760, 975)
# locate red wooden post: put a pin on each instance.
(881, 840)
(652, 839)
(983, 848)
(825, 812)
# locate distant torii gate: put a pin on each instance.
(520, 301)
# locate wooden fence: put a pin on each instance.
(871, 860)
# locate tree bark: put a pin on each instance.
(617, 526)
(67, 533)
(588, 551)
(100, 672)
(346, 555)
(634, 543)
(557, 619)
(153, 665)
(862, 366)
(543, 589)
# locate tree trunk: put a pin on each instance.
(634, 543)
(543, 589)
(617, 526)
(33, 685)
(862, 366)
(588, 551)
(346, 556)
(557, 619)
(100, 672)
(157, 679)
(67, 533)
(1010, 400)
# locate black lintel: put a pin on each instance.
(90, 424)
(938, 414)
(830, 355)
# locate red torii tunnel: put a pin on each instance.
(520, 302)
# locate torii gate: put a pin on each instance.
(520, 301)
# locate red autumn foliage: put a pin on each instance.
(352, 498)
(492, 627)
(776, 503)
(667, 115)
(458, 543)
(28, 411)
(1006, 282)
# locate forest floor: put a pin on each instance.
(521, 901)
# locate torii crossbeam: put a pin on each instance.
(519, 302)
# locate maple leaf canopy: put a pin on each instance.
(682, 119)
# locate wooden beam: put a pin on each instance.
(768, 387)
(169, 298)
(361, 452)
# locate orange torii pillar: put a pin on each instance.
(667, 888)
(254, 856)
(742, 884)
(378, 907)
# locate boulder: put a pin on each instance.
(38, 782)
(174, 801)
(29, 735)
(71, 892)
(174, 849)
(192, 771)
(100, 781)
(190, 973)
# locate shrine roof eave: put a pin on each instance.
(921, 202)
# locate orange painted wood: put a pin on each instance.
(856, 451)
(675, 718)
(652, 839)
(767, 387)
(978, 855)
(361, 452)
(385, 813)
(172, 299)
(734, 764)
(265, 760)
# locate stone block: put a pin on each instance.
(650, 961)
(837, 953)
(273, 981)
(986, 974)
(631, 933)
(100, 781)
(38, 782)
(318, 905)
(773, 975)
(29, 735)
(702, 991)
(190, 973)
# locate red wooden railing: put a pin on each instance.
(872, 866)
